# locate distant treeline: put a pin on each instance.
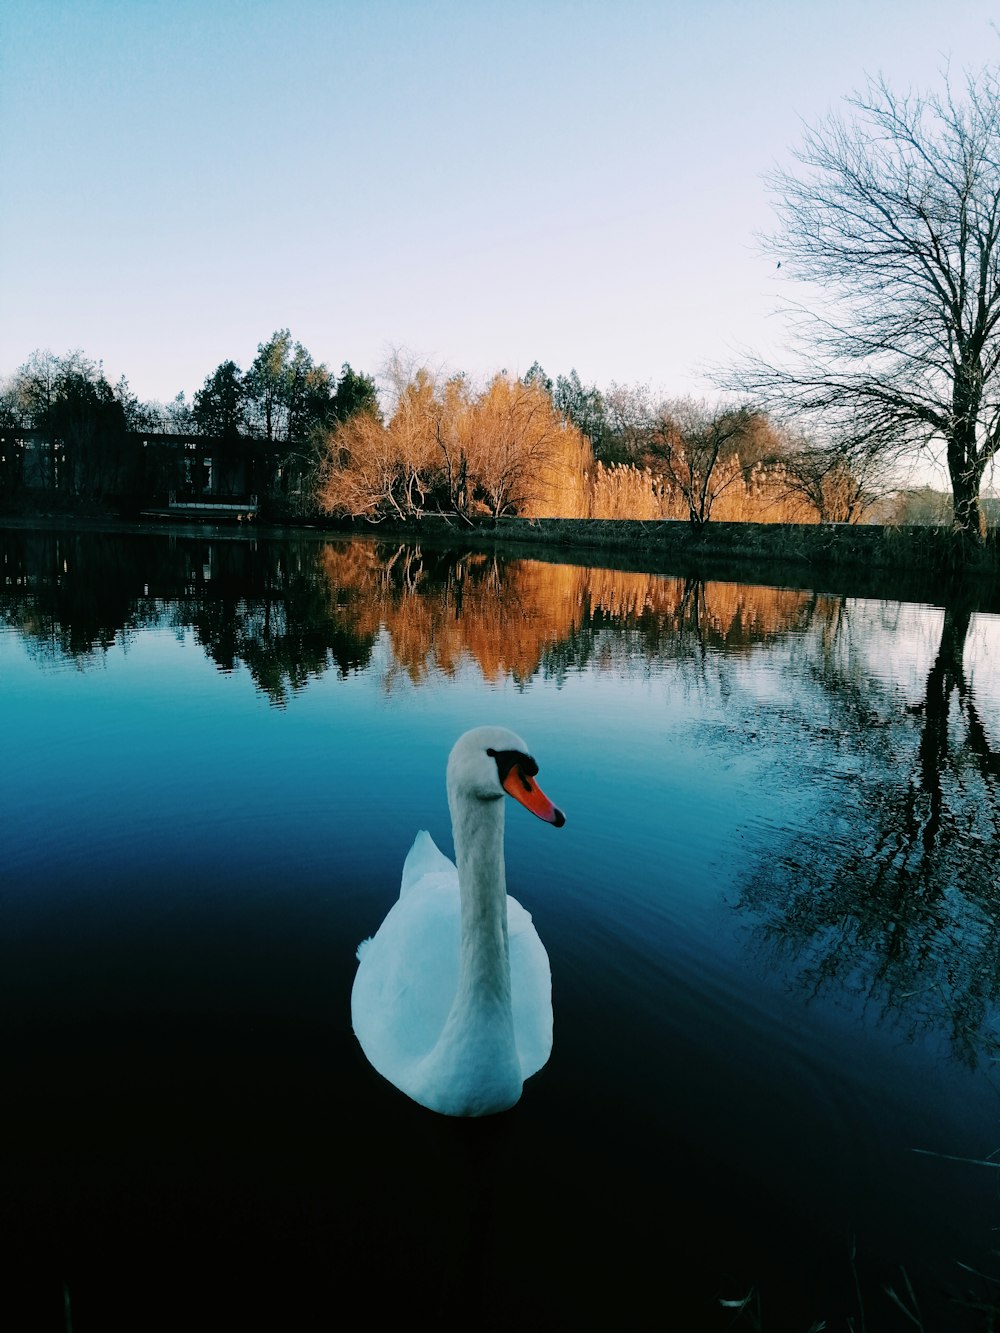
(542, 448)
(310, 442)
(67, 432)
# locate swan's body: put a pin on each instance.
(452, 1001)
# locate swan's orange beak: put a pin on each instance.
(527, 791)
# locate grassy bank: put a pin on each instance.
(912, 564)
(915, 562)
(873, 546)
(813, 545)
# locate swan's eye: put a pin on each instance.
(506, 760)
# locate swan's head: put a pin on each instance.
(490, 762)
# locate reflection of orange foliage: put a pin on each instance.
(505, 615)
(742, 615)
(733, 613)
(502, 616)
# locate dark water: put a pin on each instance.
(773, 920)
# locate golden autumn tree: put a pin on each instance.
(516, 441)
(360, 475)
(452, 431)
(449, 449)
(377, 471)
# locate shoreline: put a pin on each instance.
(913, 564)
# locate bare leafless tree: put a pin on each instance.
(702, 452)
(840, 488)
(894, 220)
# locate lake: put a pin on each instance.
(773, 919)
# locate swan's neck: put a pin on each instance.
(475, 1059)
(484, 975)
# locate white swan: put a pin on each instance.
(452, 1001)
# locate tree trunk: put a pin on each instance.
(964, 467)
(969, 519)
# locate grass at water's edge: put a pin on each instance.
(904, 564)
(907, 564)
(816, 544)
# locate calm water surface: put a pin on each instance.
(773, 918)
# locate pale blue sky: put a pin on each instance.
(481, 184)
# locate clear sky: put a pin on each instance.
(481, 184)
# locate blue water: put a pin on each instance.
(772, 918)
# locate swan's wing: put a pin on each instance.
(530, 990)
(423, 858)
(408, 975)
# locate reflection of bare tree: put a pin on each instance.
(947, 682)
(903, 908)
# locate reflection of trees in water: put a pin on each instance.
(59, 615)
(285, 634)
(628, 620)
(895, 896)
(523, 618)
(264, 605)
(439, 610)
(292, 610)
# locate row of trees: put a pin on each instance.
(556, 448)
(285, 396)
(533, 446)
(67, 430)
